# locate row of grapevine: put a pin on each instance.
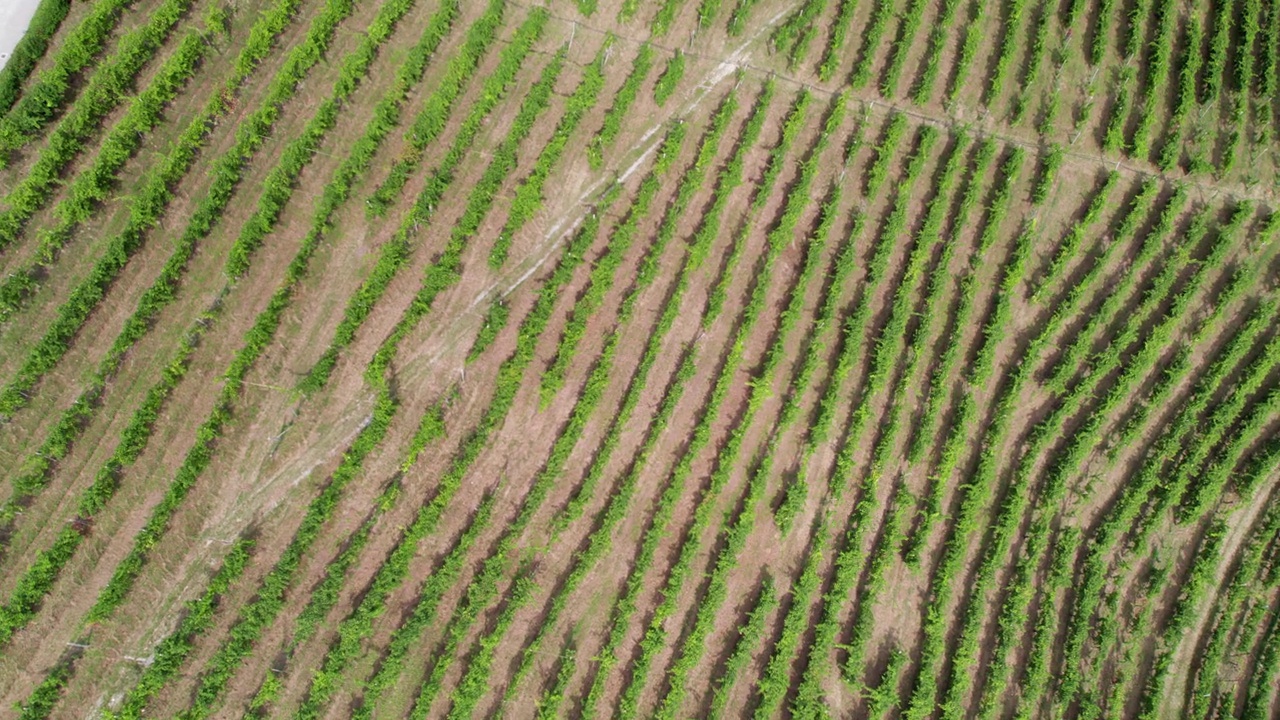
(941, 468)
(46, 96)
(269, 597)
(849, 560)
(1243, 279)
(1038, 38)
(108, 86)
(743, 523)
(483, 587)
(625, 607)
(394, 570)
(371, 435)
(85, 190)
(873, 31)
(793, 36)
(922, 88)
(838, 32)
(267, 322)
(604, 273)
(623, 99)
(394, 253)
(690, 650)
(406, 635)
(665, 86)
(1157, 69)
(529, 194)
(1037, 540)
(1127, 506)
(151, 203)
(1229, 609)
(26, 54)
(902, 43)
(429, 122)
(39, 579)
(1010, 514)
(600, 539)
(1008, 45)
(884, 376)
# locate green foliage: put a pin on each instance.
(600, 540)
(394, 570)
(334, 194)
(750, 635)
(734, 537)
(409, 632)
(1078, 231)
(622, 102)
(430, 121)
(1073, 357)
(689, 184)
(40, 577)
(792, 124)
(394, 254)
(1035, 56)
(604, 271)
(27, 53)
(883, 698)
(670, 78)
(793, 36)
(1230, 610)
(108, 86)
(1122, 97)
(494, 321)
(353, 630)
(1215, 64)
(794, 494)
(1035, 674)
(39, 704)
(881, 12)
(84, 191)
(663, 18)
(1156, 68)
(776, 678)
(781, 234)
(922, 90)
(529, 194)
(1258, 695)
(1051, 491)
(170, 654)
(474, 683)
(879, 167)
(902, 43)
(882, 553)
(44, 98)
(738, 19)
(1008, 47)
(551, 700)
(1185, 97)
(1050, 162)
(1197, 488)
(968, 49)
(1134, 494)
(1101, 31)
(511, 372)
(839, 32)
(258, 336)
(984, 155)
